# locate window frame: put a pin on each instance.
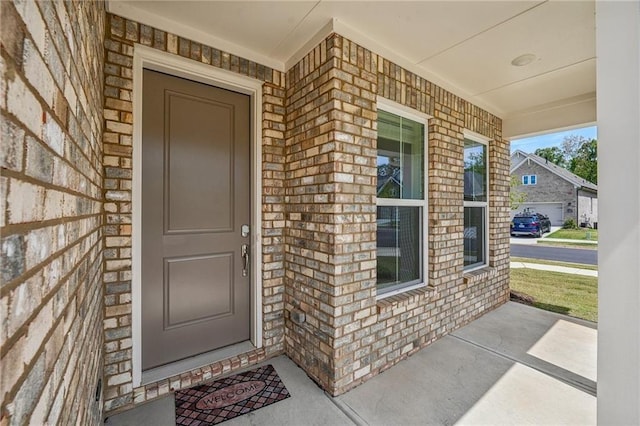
(530, 180)
(413, 115)
(475, 137)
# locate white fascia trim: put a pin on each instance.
(147, 57)
(567, 114)
(174, 27)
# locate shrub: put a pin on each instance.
(570, 224)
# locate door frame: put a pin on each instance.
(153, 59)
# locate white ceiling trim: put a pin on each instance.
(494, 26)
(333, 26)
(533, 77)
(174, 27)
(324, 32)
(563, 115)
(389, 54)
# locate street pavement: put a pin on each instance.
(560, 254)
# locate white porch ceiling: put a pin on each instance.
(465, 46)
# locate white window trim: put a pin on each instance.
(476, 137)
(411, 114)
(528, 183)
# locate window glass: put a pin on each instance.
(475, 203)
(533, 179)
(401, 202)
(474, 236)
(400, 157)
(475, 171)
(399, 245)
(525, 180)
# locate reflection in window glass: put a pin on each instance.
(399, 249)
(400, 157)
(475, 171)
(474, 236)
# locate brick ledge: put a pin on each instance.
(403, 299)
(479, 275)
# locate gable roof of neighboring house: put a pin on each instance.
(518, 158)
(388, 174)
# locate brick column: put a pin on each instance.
(330, 237)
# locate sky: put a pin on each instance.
(529, 145)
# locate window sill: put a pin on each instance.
(404, 299)
(478, 275)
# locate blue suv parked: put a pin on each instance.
(534, 224)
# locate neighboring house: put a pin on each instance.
(554, 191)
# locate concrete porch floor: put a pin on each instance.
(515, 365)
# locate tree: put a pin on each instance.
(516, 198)
(570, 146)
(585, 162)
(553, 154)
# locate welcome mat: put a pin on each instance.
(230, 397)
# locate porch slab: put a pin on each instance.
(515, 365)
(307, 405)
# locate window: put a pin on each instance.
(475, 204)
(401, 203)
(529, 179)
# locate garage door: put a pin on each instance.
(553, 210)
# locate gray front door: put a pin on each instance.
(195, 198)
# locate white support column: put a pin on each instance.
(618, 88)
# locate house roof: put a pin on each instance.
(519, 157)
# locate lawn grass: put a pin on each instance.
(577, 244)
(574, 295)
(556, 263)
(585, 234)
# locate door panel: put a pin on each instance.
(188, 122)
(207, 282)
(195, 197)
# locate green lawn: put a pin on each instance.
(553, 262)
(574, 295)
(576, 234)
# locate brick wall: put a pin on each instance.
(330, 233)
(51, 216)
(121, 35)
(66, 189)
(348, 336)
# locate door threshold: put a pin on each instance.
(188, 364)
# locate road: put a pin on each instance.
(561, 254)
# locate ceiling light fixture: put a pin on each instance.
(523, 60)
